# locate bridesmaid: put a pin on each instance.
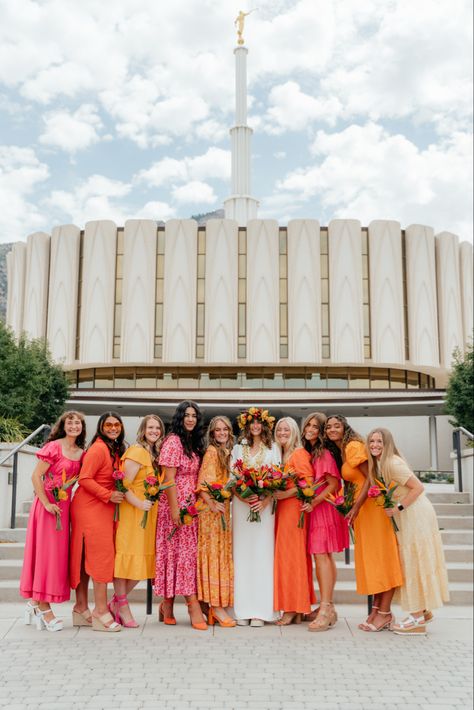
(419, 539)
(215, 571)
(293, 590)
(377, 561)
(328, 531)
(134, 545)
(176, 559)
(45, 573)
(92, 517)
(253, 543)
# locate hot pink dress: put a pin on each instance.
(328, 530)
(176, 559)
(45, 574)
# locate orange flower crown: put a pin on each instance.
(255, 414)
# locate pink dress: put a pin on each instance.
(328, 530)
(45, 574)
(176, 559)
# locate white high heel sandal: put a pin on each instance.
(30, 613)
(53, 625)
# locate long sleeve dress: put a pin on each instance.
(294, 588)
(92, 516)
(134, 545)
(420, 545)
(253, 545)
(215, 571)
(45, 573)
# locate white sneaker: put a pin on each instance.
(243, 622)
(257, 622)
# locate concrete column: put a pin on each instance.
(433, 443)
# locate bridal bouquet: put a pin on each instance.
(250, 481)
(383, 495)
(58, 490)
(220, 493)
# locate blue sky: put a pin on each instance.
(121, 110)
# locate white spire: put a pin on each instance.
(240, 205)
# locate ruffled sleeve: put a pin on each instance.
(50, 452)
(171, 452)
(398, 470)
(209, 471)
(139, 455)
(325, 465)
(355, 453)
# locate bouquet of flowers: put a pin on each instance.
(250, 481)
(59, 491)
(276, 480)
(305, 492)
(344, 501)
(383, 495)
(220, 493)
(121, 485)
(188, 513)
(154, 486)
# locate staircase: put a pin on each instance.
(455, 517)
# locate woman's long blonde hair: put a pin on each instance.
(295, 438)
(223, 452)
(389, 451)
(141, 440)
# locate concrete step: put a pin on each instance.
(21, 520)
(9, 535)
(457, 537)
(455, 522)
(453, 553)
(461, 509)
(12, 550)
(448, 497)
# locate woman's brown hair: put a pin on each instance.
(58, 431)
(154, 449)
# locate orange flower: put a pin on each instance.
(153, 490)
(62, 495)
(187, 519)
(226, 494)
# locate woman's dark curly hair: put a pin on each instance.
(117, 447)
(58, 431)
(192, 441)
(349, 435)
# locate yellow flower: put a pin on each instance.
(187, 520)
(308, 492)
(152, 490)
(225, 494)
(243, 487)
(252, 410)
(62, 495)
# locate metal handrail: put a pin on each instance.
(457, 448)
(24, 442)
(466, 432)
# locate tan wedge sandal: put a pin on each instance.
(82, 618)
(105, 623)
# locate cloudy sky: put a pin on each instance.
(121, 110)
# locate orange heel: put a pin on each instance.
(168, 620)
(201, 625)
(225, 623)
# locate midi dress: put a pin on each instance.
(134, 545)
(92, 516)
(420, 545)
(293, 571)
(45, 573)
(253, 546)
(328, 529)
(215, 569)
(176, 559)
(376, 556)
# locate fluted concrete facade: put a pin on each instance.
(467, 287)
(16, 267)
(449, 296)
(36, 285)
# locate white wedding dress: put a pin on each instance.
(253, 550)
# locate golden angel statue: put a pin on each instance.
(239, 23)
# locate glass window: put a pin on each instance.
(413, 381)
(209, 381)
(189, 380)
(338, 378)
(397, 380)
(145, 379)
(424, 384)
(273, 380)
(85, 379)
(124, 378)
(104, 378)
(167, 380)
(295, 380)
(242, 266)
(359, 379)
(317, 381)
(230, 380)
(379, 378)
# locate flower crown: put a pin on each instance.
(255, 414)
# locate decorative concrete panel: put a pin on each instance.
(63, 290)
(36, 285)
(179, 304)
(263, 304)
(345, 291)
(386, 292)
(98, 291)
(465, 254)
(16, 263)
(221, 291)
(449, 296)
(304, 291)
(421, 295)
(138, 291)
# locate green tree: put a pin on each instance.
(33, 389)
(460, 389)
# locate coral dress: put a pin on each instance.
(92, 516)
(45, 573)
(215, 570)
(328, 529)
(420, 544)
(293, 571)
(134, 545)
(377, 561)
(176, 559)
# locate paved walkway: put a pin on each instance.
(270, 668)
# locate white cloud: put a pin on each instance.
(215, 163)
(159, 211)
(98, 197)
(21, 173)
(194, 193)
(291, 109)
(71, 132)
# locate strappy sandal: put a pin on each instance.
(312, 615)
(121, 600)
(105, 623)
(289, 617)
(367, 622)
(411, 626)
(54, 625)
(82, 618)
(428, 616)
(30, 612)
(375, 629)
(325, 619)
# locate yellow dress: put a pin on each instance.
(215, 569)
(135, 546)
(420, 545)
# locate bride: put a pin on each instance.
(253, 543)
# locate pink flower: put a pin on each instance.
(339, 500)
(374, 492)
(151, 480)
(49, 485)
(260, 484)
(192, 510)
(216, 486)
(118, 475)
(302, 483)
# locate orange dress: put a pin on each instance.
(92, 517)
(377, 562)
(293, 572)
